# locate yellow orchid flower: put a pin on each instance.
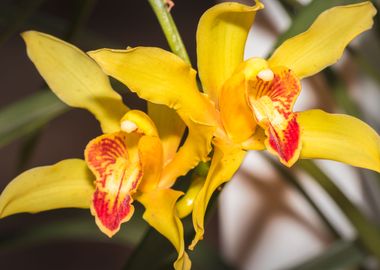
(249, 104)
(128, 162)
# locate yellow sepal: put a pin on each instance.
(323, 43)
(221, 36)
(339, 137)
(75, 78)
(161, 214)
(163, 78)
(66, 184)
(225, 162)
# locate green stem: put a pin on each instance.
(170, 29)
(368, 233)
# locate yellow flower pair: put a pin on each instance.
(246, 105)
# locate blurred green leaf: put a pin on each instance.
(29, 142)
(289, 177)
(203, 257)
(368, 233)
(339, 90)
(82, 13)
(365, 65)
(153, 246)
(29, 114)
(340, 255)
(81, 227)
(206, 257)
(17, 16)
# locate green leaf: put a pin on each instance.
(28, 115)
(289, 177)
(368, 233)
(80, 227)
(203, 257)
(18, 17)
(340, 255)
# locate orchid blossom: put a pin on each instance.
(126, 163)
(248, 104)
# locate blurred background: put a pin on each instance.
(266, 218)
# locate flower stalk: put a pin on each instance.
(169, 28)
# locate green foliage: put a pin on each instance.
(25, 116)
(340, 255)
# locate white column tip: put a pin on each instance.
(266, 75)
(128, 126)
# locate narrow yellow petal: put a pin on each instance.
(151, 155)
(160, 213)
(323, 43)
(163, 78)
(68, 183)
(170, 128)
(195, 149)
(339, 137)
(221, 36)
(225, 162)
(75, 78)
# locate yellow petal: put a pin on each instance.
(160, 213)
(225, 162)
(170, 128)
(65, 184)
(221, 36)
(151, 155)
(195, 149)
(339, 137)
(323, 43)
(159, 77)
(236, 114)
(75, 78)
(256, 142)
(163, 78)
